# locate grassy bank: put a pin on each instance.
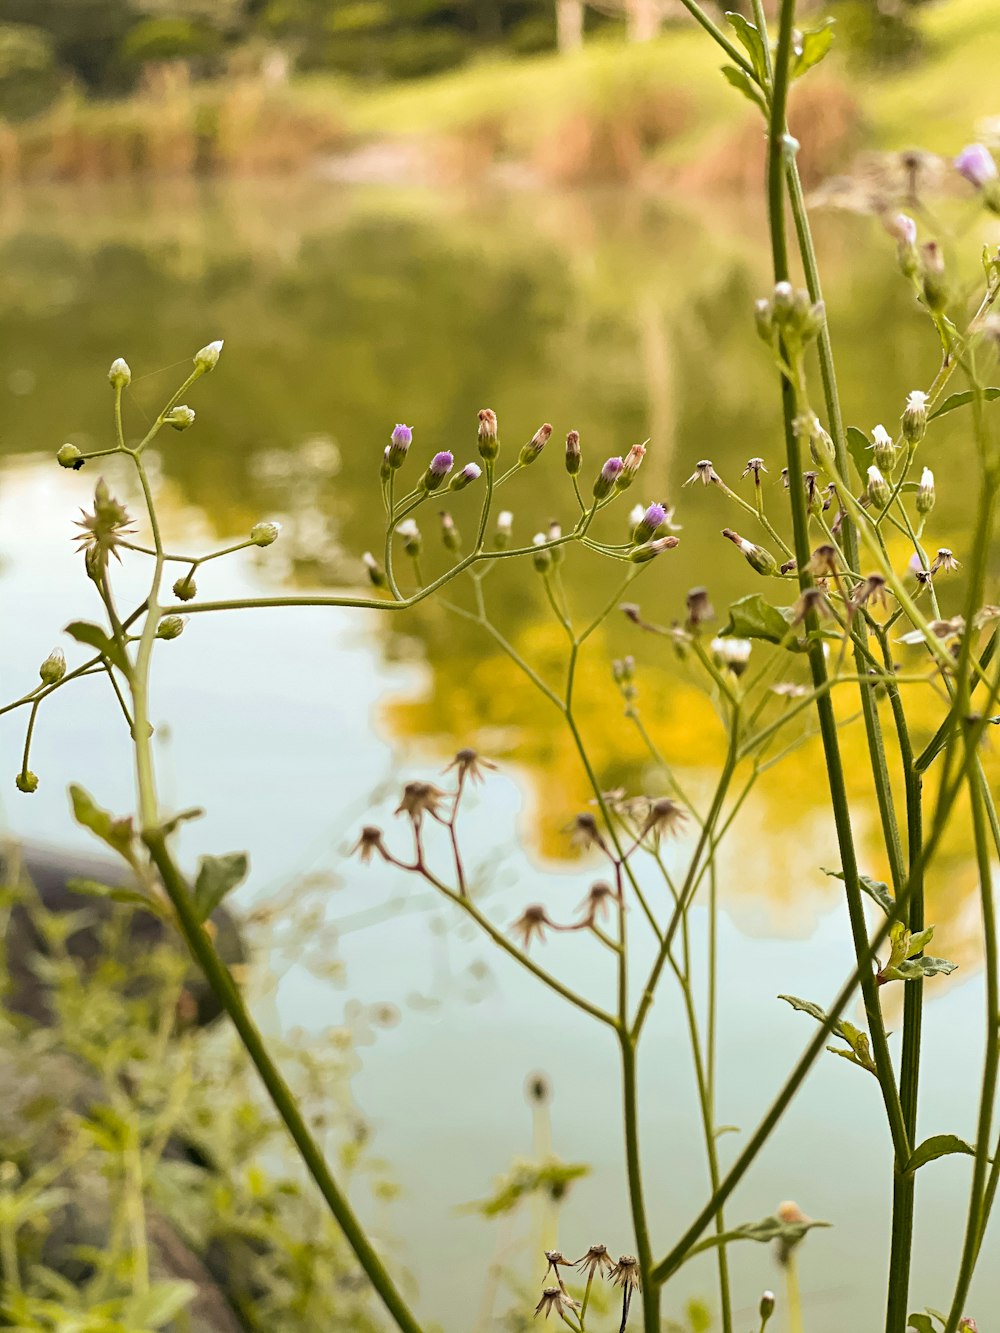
(657, 114)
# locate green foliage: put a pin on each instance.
(218, 876)
(858, 1052)
(550, 1178)
(29, 78)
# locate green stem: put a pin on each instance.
(644, 1252)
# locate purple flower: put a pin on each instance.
(442, 463)
(470, 473)
(402, 436)
(654, 517)
(612, 469)
(902, 228)
(976, 164)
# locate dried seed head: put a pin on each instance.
(625, 1272)
(705, 473)
(870, 590)
(104, 530)
(471, 765)
(420, 798)
(532, 924)
(595, 1261)
(370, 843)
(823, 561)
(756, 467)
(554, 1298)
(584, 833)
(699, 608)
(731, 654)
(664, 818)
(597, 904)
(944, 560)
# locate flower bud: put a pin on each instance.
(699, 607)
(402, 438)
(731, 654)
(208, 358)
(185, 588)
(573, 454)
(925, 492)
(648, 522)
(385, 467)
(180, 417)
(883, 449)
(607, 477)
(935, 286)
(904, 231)
(449, 532)
(878, 488)
(555, 535)
(170, 627)
(764, 319)
(470, 473)
(976, 164)
(915, 417)
(375, 571)
(630, 467)
(53, 668)
(26, 782)
(535, 445)
(783, 301)
(543, 557)
(410, 533)
(120, 375)
(438, 468)
(757, 557)
(70, 456)
(640, 554)
(489, 442)
(263, 534)
(505, 526)
(767, 1305)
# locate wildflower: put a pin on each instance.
(556, 1260)
(625, 1273)
(766, 1305)
(935, 286)
(489, 443)
(53, 668)
(554, 1298)
(792, 1215)
(883, 448)
(470, 473)
(420, 798)
(630, 468)
(664, 817)
(471, 765)
(70, 456)
(399, 443)
(968, 1325)
(871, 589)
(180, 417)
(532, 924)
(596, 906)
(573, 454)
(535, 445)
(543, 556)
(811, 600)
(915, 416)
(449, 532)
(763, 314)
(699, 608)
(925, 492)
(650, 550)
(607, 477)
(170, 627)
(756, 466)
(208, 357)
(878, 487)
(901, 228)
(757, 557)
(438, 468)
(505, 526)
(185, 588)
(944, 560)
(595, 1261)
(584, 833)
(648, 521)
(705, 473)
(976, 164)
(787, 689)
(120, 375)
(103, 530)
(376, 573)
(947, 630)
(370, 843)
(823, 561)
(410, 534)
(733, 654)
(263, 534)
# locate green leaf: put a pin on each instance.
(754, 618)
(117, 833)
(915, 969)
(727, 1129)
(938, 1145)
(752, 41)
(873, 887)
(921, 1322)
(764, 1231)
(859, 1053)
(217, 876)
(859, 447)
(94, 637)
(815, 44)
(92, 888)
(171, 825)
(159, 1304)
(961, 400)
(743, 82)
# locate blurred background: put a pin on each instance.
(406, 212)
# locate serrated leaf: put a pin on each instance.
(752, 41)
(753, 617)
(961, 400)
(859, 448)
(218, 876)
(117, 833)
(84, 631)
(743, 82)
(873, 887)
(92, 888)
(815, 43)
(938, 1145)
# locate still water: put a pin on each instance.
(344, 313)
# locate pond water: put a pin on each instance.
(344, 312)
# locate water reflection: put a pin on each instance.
(344, 314)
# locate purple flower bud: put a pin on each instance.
(902, 228)
(402, 438)
(470, 473)
(976, 164)
(439, 467)
(609, 474)
(654, 517)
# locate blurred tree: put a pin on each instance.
(29, 77)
